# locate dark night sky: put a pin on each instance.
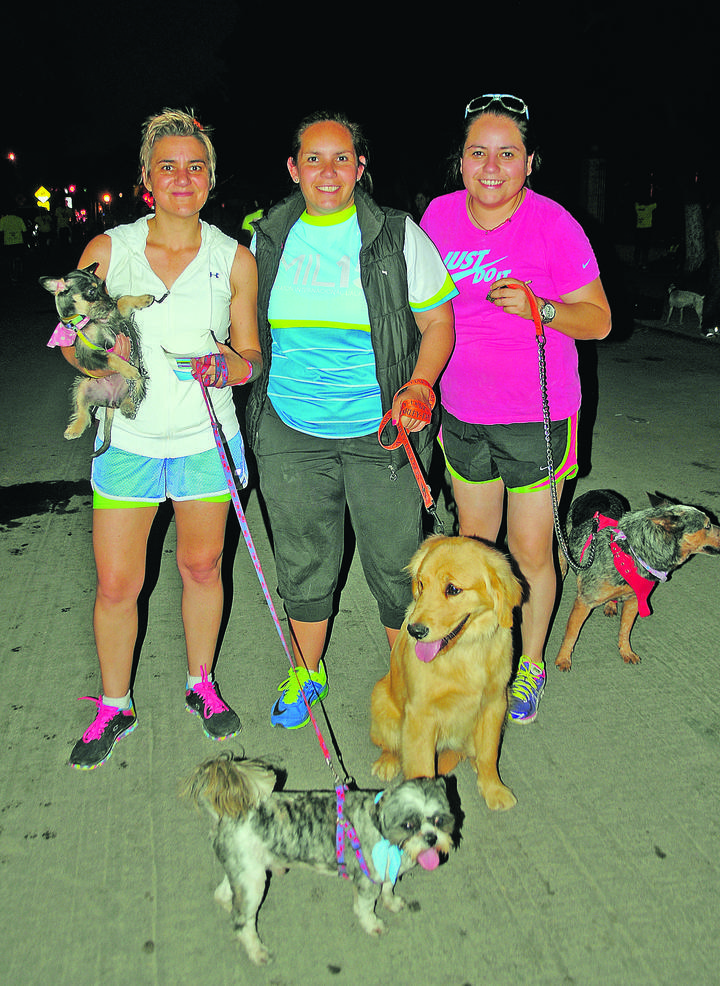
(636, 80)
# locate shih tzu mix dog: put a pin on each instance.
(369, 837)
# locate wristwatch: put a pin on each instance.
(547, 312)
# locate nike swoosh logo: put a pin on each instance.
(585, 264)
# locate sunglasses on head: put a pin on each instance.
(513, 104)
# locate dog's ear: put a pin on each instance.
(52, 284)
(675, 523)
(660, 499)
(91, 269)
(506, 593)
(418, 558)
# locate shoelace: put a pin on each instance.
(294, 685)
(206, 691)
(526, 683)
(104, 715)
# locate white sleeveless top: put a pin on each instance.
(172, 419)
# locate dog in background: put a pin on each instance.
(445, 696)
(95, 320)
(632, 554)
(258, 830)
(681, 300)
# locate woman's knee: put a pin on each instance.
(200, 529)
(117, 586)
(202, 567)
(533, 560)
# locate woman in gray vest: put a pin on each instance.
(354, 306)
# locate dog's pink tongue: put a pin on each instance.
(427, 651)
(429, 859)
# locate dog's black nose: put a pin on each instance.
(431, 839)
(418, 630)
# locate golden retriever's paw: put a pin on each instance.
(498, 798)
(386, 767)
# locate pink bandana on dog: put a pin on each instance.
(65, 334)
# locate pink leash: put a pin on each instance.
(344, 828)
(230, 473)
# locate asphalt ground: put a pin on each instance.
(606, 871)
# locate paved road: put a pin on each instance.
(606, 871)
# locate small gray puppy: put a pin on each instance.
(370, 837)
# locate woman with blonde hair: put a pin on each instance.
(205, 288)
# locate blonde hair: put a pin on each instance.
(175, 123)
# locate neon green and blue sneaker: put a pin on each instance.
(291, 709)
(525, 691)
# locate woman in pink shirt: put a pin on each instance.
(494, 236)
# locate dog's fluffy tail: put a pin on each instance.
(226, 786)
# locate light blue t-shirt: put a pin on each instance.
(322, 377)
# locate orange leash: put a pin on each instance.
(421, 411)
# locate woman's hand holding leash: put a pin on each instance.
(504, 293)
(582, 314)
(418, 412)
(412, 405)
(224, 369)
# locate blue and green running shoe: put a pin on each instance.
(291, 709)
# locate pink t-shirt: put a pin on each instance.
(492, 376)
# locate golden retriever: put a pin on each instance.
(445, 696)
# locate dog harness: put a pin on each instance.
(66, 332)
(626, 561)
(386, 857)
(345, 828)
